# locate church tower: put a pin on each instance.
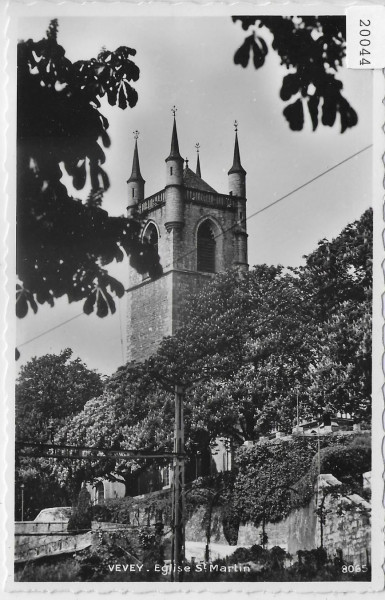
(197, 232)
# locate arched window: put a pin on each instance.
(151, 235)
(205, 248)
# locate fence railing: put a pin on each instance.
(215, 200)
(153, 201)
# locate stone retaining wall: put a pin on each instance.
(346, 530)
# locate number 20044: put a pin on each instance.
(354, 569)
(365, 41)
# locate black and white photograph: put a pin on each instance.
(194, 298)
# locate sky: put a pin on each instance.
(188, 62)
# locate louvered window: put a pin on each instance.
(206, 248)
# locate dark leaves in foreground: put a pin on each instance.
(312, 49)
(63, 243)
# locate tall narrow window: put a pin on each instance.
(205, 248)
(100, 493)
(170, 170)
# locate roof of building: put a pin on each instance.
(237, 167)
(198, 169)
(135, 173)
(174, 152)
(192, 180)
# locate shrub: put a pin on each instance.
(126, 510)
(275, 477)
(80, 519)
(100, 512)
(347, 463)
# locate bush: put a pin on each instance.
(100, 513)
(347, 463)
(79, 522)
(55, 568)
(268, 473)
(123, 510)
(80, 519)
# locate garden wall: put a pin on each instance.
(346, 528)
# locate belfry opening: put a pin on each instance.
(206, 248)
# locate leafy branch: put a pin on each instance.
(312, 49)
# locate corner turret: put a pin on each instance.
(174, 183)
(237, 187)
(135, 183)
(198, 169)
(237, 174)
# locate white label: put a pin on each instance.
(365, 37)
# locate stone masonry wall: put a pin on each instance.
(347, 524)
(155, 310)
(346, 528)
(149, 317)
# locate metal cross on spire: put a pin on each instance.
(173, 110)
(136, 134)
(236, 125)
(197, 146)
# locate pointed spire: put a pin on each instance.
(135, 173)
(198, 169)
(237, 167)
(174, 153)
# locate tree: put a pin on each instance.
(312, 50)
(251, 345)
(259, 340)
(64, 244)
(133, 412)
(48, 390)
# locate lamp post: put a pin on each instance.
(22, 501)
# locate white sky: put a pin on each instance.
(189, 62)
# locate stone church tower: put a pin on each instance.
(197, 232)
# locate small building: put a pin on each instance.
(105, 490)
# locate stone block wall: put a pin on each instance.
(302, 526)
(155, 310)
(346, 530)
(277, 534)
(195, 527)
(149, 317)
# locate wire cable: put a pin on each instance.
(254, 214)
(49, 330)
(280, 199)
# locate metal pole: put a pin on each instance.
(319, 454)
(178, 504)
(22, 501)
